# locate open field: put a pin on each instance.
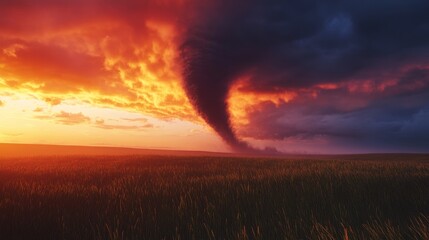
(197, 197)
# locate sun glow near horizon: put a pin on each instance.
(71, 122)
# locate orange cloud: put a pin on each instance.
(55, 69)
(38, 109)
(110, 54)
(100, 123)
(71, 118)
(11, 50)
(141, 120)
(66, 118)
(242, 102)
(52, 100)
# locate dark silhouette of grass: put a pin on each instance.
(162, 197)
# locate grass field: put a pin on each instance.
(162, 197)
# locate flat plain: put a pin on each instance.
(380, 196)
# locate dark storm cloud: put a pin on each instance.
(299, 44)
(385, 123)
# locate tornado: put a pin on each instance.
(208, 71)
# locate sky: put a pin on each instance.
(215, 75)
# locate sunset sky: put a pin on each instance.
(290, 76)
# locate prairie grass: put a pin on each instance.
(162, 197)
